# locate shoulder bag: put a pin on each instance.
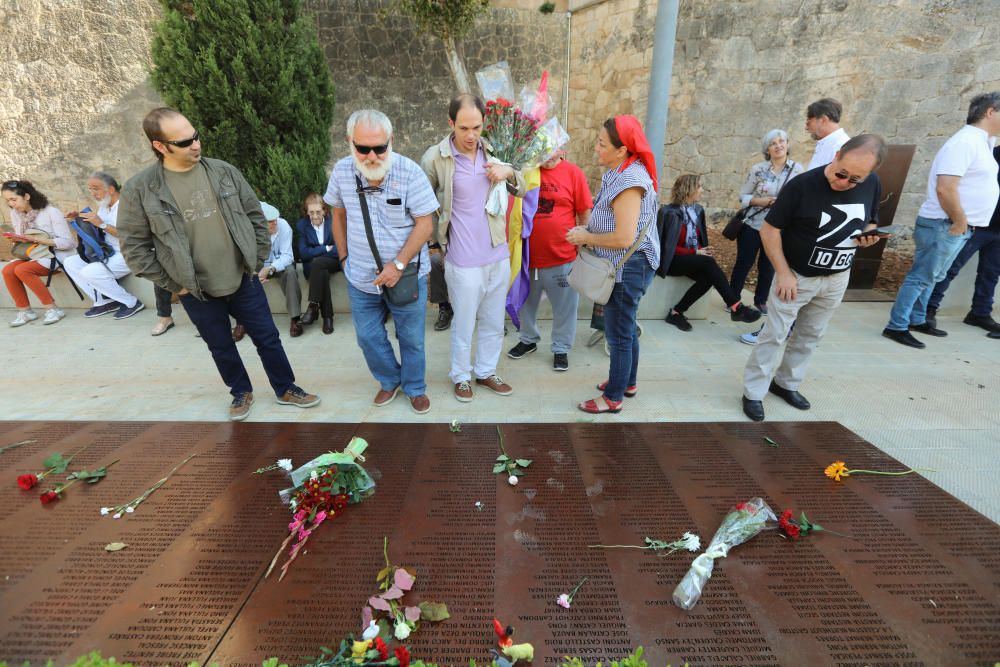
(28, 250)
(594, 276)
(735, 224)
(407, 288)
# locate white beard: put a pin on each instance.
(374, 172)
(106, 202)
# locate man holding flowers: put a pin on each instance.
(473, 240)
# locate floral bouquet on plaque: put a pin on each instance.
(743, 522)
(320, 491)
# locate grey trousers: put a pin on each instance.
(811, 311)
(554, 281)
(289, 281)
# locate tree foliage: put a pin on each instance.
(449, 21)
(251, 77)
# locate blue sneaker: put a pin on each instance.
(126, 312)
(103, 309)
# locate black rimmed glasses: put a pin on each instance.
(182, 143)
(844, 176)
(365, 150)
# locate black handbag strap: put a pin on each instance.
(363, 197)
(789, 165)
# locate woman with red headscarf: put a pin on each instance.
(624, 212)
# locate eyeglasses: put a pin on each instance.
(182, 143)
(370, 190)
(844, 176)
(365, 150)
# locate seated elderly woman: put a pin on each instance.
(44, 227)
(320, 260)
(685, 252)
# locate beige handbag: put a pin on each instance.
(593, 276)
(27, 250)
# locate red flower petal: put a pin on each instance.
(27, 482)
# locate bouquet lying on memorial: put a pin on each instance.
(794, 528)
(742, 523)
(320, 491)
(54, 464)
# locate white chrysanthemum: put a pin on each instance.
(285, 464)
(117, 516)
(402, 631)
(313, 475)
(129, 509)
(690, 541)
(105, 511)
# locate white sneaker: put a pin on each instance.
(53, 315)
(23, 317)
(751, 338)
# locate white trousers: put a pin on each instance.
(98, 281)
(478, 296)
(811, 311)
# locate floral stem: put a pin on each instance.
(879, 472)
(385, 549)
(16, 444)
(574, 591)
(616, 546)
(500, 435)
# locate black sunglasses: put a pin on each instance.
(365, 150)
(370, 190)
(844, 176)
(182, 143)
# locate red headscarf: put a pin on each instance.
(630, 132)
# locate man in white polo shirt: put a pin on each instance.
(823, 125)
(962, 191)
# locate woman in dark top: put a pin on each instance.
(686, 235)
(319, 259)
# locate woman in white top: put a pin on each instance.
(30, 210)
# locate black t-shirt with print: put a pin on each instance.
(819, 223)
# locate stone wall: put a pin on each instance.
(905, 69)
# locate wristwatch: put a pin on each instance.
(103, 225)
(270, 271)
(399, 265)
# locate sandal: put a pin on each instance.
(594, 407)
(630, 391)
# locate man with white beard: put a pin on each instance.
(393, 193)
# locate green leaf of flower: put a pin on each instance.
(656, 545)
(503, 457)
(499, 467)
(770, 442)
(524, 463)
(56, 461)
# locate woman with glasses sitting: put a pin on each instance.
(320, 261)
(30, 211)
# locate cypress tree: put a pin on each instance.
(251, 77)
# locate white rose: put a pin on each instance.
(512, 480)
(402, 631)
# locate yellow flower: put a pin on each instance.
(836, 470)
(358, 650)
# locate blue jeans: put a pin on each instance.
(936, 249)
(249, 306)
(619, 325)
(748, 249)
(986, 242)
(369, 312)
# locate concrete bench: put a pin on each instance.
(662, 294)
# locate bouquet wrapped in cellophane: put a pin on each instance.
(743, 522)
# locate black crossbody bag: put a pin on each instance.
(407, 288)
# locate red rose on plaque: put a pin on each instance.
(403, 656)
(383, 650)
(27, 482)
(48, 497)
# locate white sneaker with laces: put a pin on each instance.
(23, 317)
(53, 315)
(750, 338)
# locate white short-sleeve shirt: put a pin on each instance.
(969, 155)
(827, 147)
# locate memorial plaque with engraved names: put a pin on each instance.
(917, 582)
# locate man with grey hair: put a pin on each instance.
(810, 235)
(823, 125)
(96, 277)
(962, 192)
(382, 204)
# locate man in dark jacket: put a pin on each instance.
(194, 227)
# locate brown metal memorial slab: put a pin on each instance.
(915, 580)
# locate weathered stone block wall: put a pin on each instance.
(73, 91)
(905, 69)
(383, 62)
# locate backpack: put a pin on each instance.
(92, 247)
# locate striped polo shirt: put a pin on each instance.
(406, 194)
(602, 219)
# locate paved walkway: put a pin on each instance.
(935, 408)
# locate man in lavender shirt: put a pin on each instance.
(473, 242)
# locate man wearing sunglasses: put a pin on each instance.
(810, 234)
(194, 227)
(962, 192)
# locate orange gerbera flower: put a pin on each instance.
(836, 470)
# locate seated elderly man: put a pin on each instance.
(280, 265)
(98, 278)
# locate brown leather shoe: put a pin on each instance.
(328, 325)
(463, 391)
(420, 404)
(239, 332)
(240, 407)
(311, 314)
(295, 328)
(496, 384)
(384, 397)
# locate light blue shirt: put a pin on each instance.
(281, 256)
(406, 194)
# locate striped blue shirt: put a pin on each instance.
(406, 194)
(602, 219)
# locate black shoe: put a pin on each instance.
(982, 321)
(311, 314)
(993, 334)
(903, 338)
(928, 328)
(793, 398)
(560, 362)
(744, 314)
(445, 313)
(328, 325)
(678, 320)
(753, 409)
(931, 316)
(521, 349)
